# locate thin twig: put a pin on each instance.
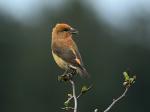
(74, 95)
(69, 99)
(116, 100)
(79, 95)
(67, 108)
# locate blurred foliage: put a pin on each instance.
(29, 74)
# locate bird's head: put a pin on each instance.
(64, 29)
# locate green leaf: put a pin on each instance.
(131, 80)
(66, 103)
(69, 95)
(126, 76)
(84, 89)
(128, 81)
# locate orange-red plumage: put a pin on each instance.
(64, 49)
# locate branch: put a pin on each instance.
(128, 82)
(74, 95)
(68, 77)
(71, 97)
(116, 100)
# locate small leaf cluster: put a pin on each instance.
(128, 81)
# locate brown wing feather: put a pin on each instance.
(69, 55)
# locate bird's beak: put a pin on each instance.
(73, 31)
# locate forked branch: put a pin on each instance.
(128, 82)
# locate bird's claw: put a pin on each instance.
(68, 75)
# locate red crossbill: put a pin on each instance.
(65, 50)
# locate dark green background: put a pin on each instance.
(28, 78)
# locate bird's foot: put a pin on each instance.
(67, 75)
(72, 71)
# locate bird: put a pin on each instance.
(65, 51)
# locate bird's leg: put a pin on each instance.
(72, 71)
(66, 72)
(67, 75)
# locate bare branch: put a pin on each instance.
(74, 95)
(69, 99)
(67, 108)
(116, 100)
(79, 95)
(128, 82)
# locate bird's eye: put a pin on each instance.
(66, 29)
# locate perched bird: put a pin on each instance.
(64, 49)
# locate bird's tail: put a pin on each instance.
(83, 72)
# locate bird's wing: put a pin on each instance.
(69, 55)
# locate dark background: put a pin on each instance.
(28, 78)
